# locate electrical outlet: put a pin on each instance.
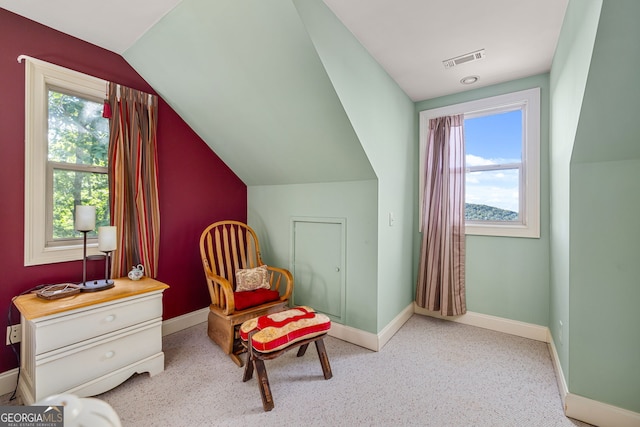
(14, 334)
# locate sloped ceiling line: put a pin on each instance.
(259, 95)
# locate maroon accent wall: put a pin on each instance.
(196, 187)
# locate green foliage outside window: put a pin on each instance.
(78, 138)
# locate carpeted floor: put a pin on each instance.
(431, 373)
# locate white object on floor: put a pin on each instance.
(83, 411)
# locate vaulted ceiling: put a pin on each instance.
(246, 76)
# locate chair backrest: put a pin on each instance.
(227, 246)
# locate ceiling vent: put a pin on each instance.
(462, 59)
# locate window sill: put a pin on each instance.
(58, 254)
(502, 230)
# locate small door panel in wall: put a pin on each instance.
(318, 265)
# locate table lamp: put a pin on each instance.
(86, 222)
(107, 243)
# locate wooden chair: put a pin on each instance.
(225, 247)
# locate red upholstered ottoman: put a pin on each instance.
(267, 337)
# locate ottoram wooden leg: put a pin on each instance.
(248, 366)
(248, 369)
(324, 359)
(263, 383)
(302, 349)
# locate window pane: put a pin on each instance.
(77, 131)
(502, 144)
(492, 195)
(493, 139)
(71, 188)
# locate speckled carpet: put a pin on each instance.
(431, 373)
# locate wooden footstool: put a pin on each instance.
(267, 337)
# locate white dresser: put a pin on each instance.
(89, 343)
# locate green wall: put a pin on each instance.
(604, 286)
(270, 209)
(379, 257)
(568, 81)
(287, 96)
(595, 158)
(289, 99)
(246, 77)
(604, 345)
(384, 119)
(509, 277)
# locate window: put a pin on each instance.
(502, 144)
(66, 149)
(493, 157)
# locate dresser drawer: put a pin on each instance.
(63, 370)
(82, 324)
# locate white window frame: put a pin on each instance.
(39, 77)
(529, 101)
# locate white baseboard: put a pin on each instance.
(370, 340)
(389, 331)
(346, 333)
(8, 381)
(589, 410)
(599, 413)
(577, 407)
(500, 324)
(185, 321)
(355, 336)
(560, 378)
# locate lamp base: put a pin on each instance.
(97, 285)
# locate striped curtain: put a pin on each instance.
(441, 275)
(133, 179)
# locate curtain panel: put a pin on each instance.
(133, 179)
(441, 275)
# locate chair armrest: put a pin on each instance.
(276, 280)
(221, 293)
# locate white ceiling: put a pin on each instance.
(409, 38)
(113, 24)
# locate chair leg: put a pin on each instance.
(324, 359)
(236, 359)
(263, 383)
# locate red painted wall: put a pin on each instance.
(196, 187)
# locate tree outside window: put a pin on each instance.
(78, 138)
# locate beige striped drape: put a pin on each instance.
(133, 179)
(441, 275)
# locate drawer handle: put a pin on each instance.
(109, 354)
(110, 318)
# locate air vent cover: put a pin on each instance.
(462, 59)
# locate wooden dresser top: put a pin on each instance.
(33, 307)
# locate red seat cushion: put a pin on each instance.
(248, 299)
(278, 330)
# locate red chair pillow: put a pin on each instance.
(246, 299)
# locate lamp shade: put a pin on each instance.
(85, 218)
(107, 238)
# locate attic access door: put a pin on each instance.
(318, 265)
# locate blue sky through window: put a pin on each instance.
(491, 140)
(497, 137)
